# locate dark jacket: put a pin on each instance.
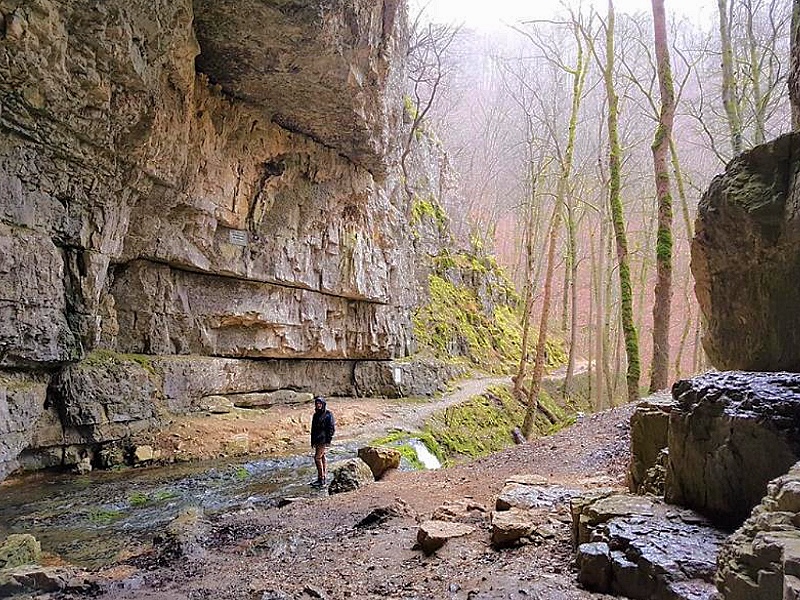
(323, 425)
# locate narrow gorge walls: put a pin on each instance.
(196, 179)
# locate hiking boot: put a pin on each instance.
(318, 483)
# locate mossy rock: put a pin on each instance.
(19, 549)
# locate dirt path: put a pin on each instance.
(411, 416)
(316, 549)
(283, 430)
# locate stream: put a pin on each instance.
(90, 520)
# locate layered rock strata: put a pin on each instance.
(761, 560)
(207, 179)
(638, 547)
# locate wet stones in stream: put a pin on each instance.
(350, 475)
(642, 548)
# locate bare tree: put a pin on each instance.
(659, 370)
(427, 69)
(617, 214)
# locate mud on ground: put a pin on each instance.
(315, 548)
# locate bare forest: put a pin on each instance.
(583, 143)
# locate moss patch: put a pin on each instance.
(478, 427)
(428, 209)
(454, 324)
(105, 358)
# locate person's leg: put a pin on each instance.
(319, 461)
(324, 460)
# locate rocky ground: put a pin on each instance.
(318, 547)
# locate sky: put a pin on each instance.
(495, 14)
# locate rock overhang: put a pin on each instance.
(329, 69)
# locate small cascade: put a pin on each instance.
(424, 455)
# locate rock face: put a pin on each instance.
(638, 547)
(729, 435)
(761, 560)
(649, 436)
(202, 183)
(746, 260)
(318, 79)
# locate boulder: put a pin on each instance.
(350, 475)
(510, 526)
(644, 549)
(143, 454)
(19, 549)
(460, 511)
(379, 459)
(761, 560)
(237, 445)
(381, 514)
(649, 436)
(594, 566)
(33, 578)
(432, 535)
(745, 260)
(729, 435)
(185, 535)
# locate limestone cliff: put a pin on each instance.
(202, 181)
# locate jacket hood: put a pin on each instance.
(322, 400)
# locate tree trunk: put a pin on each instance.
(538, 367)
(578, 79)
(618, 219)
(529, 278)
(659, 373)
(729, 96)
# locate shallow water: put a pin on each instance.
(90, 520)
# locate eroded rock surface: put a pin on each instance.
(641, 548)
(761, 560)
(649, 436)
(322, 68)
(248, 209)
(746, 260)
(729, 435)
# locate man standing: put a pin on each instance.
(323, 426)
